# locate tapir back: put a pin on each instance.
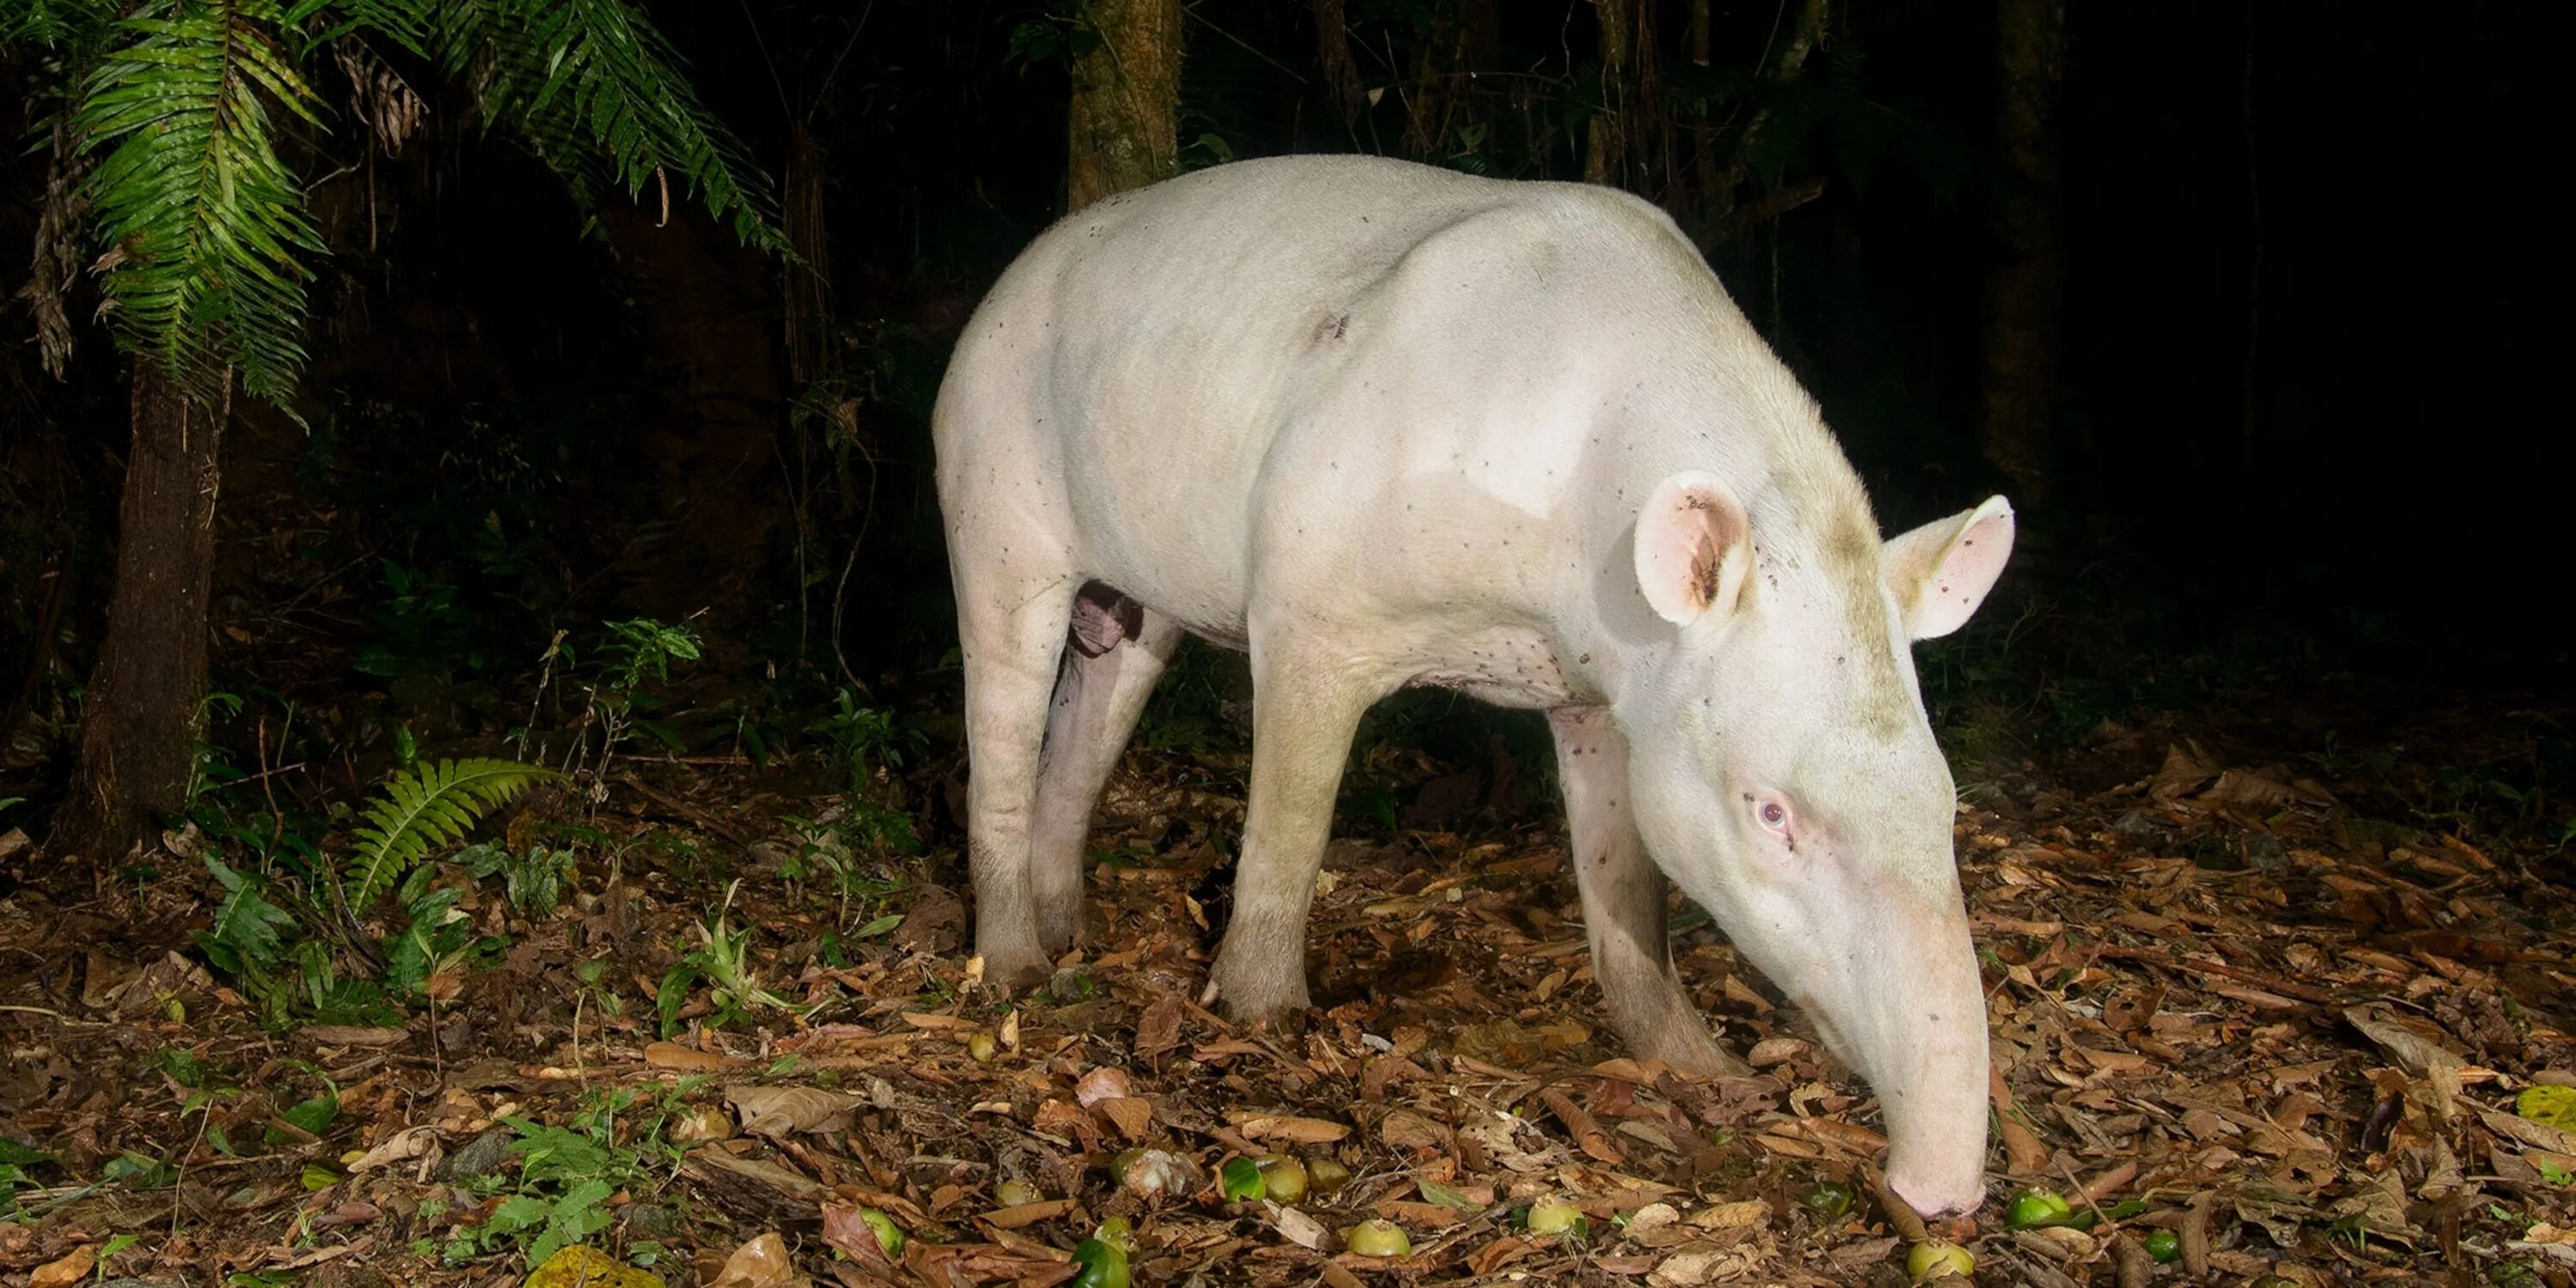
(1147, 353)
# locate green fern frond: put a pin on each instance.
(433, 806)
(204, 227)
(246, 922)
(596, 92)
(407, 23)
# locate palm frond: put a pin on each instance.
(408, 23)
(435, 805)
(204, 227)
(597, 93)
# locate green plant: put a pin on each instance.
(282, 930)
(432, 806)
(533, 881)
(15, 1159)
(723, 959)
(568, 1173)
(631, 653)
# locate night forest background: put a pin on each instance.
(2241, 304)
(2288, 427)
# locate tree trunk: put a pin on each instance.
(2022, 289)
(1605, 151)
(1333, 50)
(1126, 101)
(139, 719)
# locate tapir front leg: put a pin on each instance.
(1624, 906)
(1306, 707)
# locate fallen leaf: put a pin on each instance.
(761, 1263)
(671, 1055)
(777, 1112)
(585, 1267)
(1303, 1131)
(66, 1270)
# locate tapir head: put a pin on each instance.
(1786, 778)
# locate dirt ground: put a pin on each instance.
(2281, 998)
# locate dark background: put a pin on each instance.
(2300, 447)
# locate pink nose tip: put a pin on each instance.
(1937, 1201)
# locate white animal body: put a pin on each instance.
(1382, 424)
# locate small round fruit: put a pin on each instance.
(1240, 1180)
(1104, 1264)
(1283, 1176)
(1934, 1258)
(1016, 1193)
(889, 1235)
(2550, 1106)
(981, 1048)
(1374, 1238)
(1326, 1175)
(2165, 1246)
(2036, 1208)
(1116, 1230)
(1829, 1200)
(1556, 1216)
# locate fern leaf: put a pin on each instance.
(596, 93)
(246, 922)
(206, 237)
(422, 810)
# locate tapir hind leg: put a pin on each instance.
(1624, 900)
(1015, 588)
(1107, 676)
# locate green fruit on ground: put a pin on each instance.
(1016, 1193)
(1556, 1216)
(1284, 1177)
(2164, 1245)
(1829, 1200)
(1380, 1239)
(2552, 1106)
(2036, 1208)
(1104, 1264)
(1325, 1174)
(1117, 1230)
(889, 1235)
(1935, 1258)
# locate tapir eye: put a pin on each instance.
(1774, 815)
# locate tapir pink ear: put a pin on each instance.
(1693, 548)
(1941, 571)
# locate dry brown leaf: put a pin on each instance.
(671, 1055)
(1026, 1214)
(1132, 1115)
(67, 1270)
(777, 1112)
(761, 1263)
(1108, 1082)
(2419, 1046)
(2182, 771)
(1296, 1227)
(1287, 1127)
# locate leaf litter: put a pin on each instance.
(2232, 1005)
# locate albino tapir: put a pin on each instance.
(1386, 425)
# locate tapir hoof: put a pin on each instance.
(1255, 996)
(1016, 973)
(1690, 1048)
